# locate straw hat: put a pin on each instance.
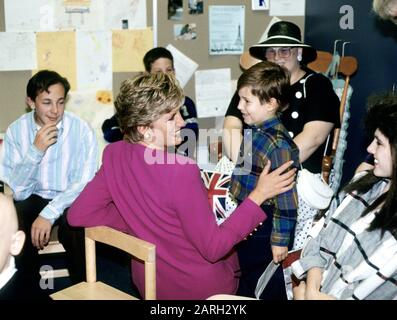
(284, 34)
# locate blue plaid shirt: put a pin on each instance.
(271, 141)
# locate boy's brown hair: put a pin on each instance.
(267, 80)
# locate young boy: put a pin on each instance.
(49, 156)
(11, 243)
(263, 91)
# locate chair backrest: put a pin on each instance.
(322, 62)
(347, 66)
(138, 248)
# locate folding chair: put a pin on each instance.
(96, 290)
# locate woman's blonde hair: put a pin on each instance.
(144, 99)
(383, 9)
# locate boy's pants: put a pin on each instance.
(72, 239)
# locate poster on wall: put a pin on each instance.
(213, 92)
(129, 48)
(175, 10)
(18, 51)
(185, 31)
(94, 73)
(226, 30)
(51, 15)
(184, 66)
(196, 7)
(260, 4)
(57, 51)
(287, 8)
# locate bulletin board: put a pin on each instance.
(13, 83)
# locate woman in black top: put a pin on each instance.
(313, 105)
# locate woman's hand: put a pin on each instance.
(272, 184)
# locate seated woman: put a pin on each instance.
(159, 197)
(354, 256)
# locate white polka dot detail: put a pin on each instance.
(295, 115)
(298, 94)
(291, 134)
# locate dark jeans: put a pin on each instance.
(72, 239)
(254, 256)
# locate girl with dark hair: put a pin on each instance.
(354, 256)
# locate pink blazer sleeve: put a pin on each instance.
(94, 206)
(197, 219)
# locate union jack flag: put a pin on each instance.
(217, 185)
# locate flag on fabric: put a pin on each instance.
(217, 185)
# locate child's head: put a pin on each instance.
(263, 90)
(46, 95)
(381, 121)
(159, 60)
(44, 79)
(11, 240)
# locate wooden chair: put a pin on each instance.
(96, 290)
(247, 61)
(347, 67)
(54, 247)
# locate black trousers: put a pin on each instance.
(254, 256)
(72, 239)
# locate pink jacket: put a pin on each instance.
(167, 204)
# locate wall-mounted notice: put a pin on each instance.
(184, 66)
(226, 29)
(213, 92)
(287, 8)
(260, 4)
(129, 47)
(55, 15)
(57, 51)
(18, 51)
(94, 73)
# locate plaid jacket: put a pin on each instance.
(269, 141)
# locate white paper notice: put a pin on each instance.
(94, 60)
(81, 16)
(226, 29)
(184, 66)
(287, 8)
(260, 4)
(18, 51)
(31, 15)
(54, 15)
(213, 92)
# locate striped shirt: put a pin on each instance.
(358, 264)
(60, 173)
(271, 141)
